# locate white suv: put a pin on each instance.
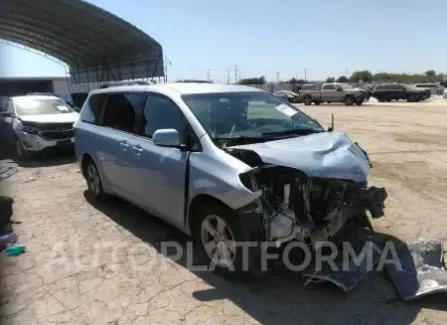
(37, 123)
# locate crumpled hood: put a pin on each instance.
(51, 118)
(326, 154)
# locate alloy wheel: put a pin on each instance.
(218, 241)
(93, 180)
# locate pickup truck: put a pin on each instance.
(334, 93)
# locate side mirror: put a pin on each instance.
(166, 138)
(6, 114)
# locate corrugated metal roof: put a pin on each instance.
(76, 32)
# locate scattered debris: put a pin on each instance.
(347, 275)
(7, 169)
(6, 203)
(15, 250)
(422, 271)
(7, 239)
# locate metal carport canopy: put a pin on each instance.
(97, 45)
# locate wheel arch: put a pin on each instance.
(85, 158)
(196, 203)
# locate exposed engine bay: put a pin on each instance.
(298, 207)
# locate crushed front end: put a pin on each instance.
(295, 206)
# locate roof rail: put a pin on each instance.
(126, 83)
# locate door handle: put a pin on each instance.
(137, 149)
(124, 145)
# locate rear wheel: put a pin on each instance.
(412, 98)
(94, 180)
(359, 102)
(307, 100)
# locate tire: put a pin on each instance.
(381, 100)
(93, 180)
(349, 101)
(216, 218)
(307, 100)
(359, 102)
(388, 100)
(412, 98)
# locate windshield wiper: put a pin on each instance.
(243, 139)
(293, 132)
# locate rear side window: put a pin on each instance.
(91, 110)
(121, 110)
(328, 87)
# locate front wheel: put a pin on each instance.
(349, 100)
(218, 233)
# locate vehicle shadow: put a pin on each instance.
(280, 297)
(50, 159)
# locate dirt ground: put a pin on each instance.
(408, 146)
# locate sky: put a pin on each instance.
(266, 37)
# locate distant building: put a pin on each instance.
(15, 86)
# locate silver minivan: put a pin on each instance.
(226, 164)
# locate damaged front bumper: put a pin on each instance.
(296, 207)
(371, 200)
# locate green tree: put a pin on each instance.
(253, 81)
(342, 79)
(430, 74)
(330, 79)
(363, 75)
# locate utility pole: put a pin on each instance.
(277, 77)
(228, 76)
(305, 74)
(208, 77)
(235, 74)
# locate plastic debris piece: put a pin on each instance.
(423, 271)
(15, 250)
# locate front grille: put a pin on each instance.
(56, 135)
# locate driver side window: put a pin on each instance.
(161, 113)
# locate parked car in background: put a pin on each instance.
(288, 95)
(74, 99)
(334, 93)
(227, 164)
(434, 89)
(395, 91)
(37, 123)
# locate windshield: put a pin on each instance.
(255, 115)
(345, 86)
(37, 106)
